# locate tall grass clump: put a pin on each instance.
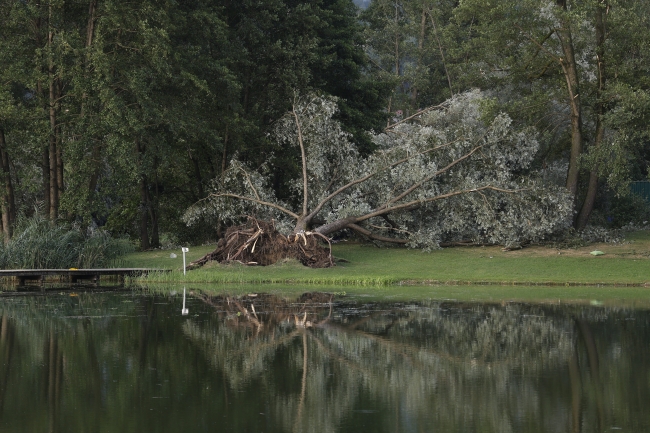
(40, 244)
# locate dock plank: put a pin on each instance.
(74, 275)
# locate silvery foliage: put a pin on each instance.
(239, 180)
(489, 216)
(444, 190)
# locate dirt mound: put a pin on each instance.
(259, 243)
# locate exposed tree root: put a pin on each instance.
(259, 243)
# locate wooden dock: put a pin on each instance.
(73, 276)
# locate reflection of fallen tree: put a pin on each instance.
(252, 328)
(259, 243)
(276, 311)
(402, 357)
(489, 336)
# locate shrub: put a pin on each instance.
(40, 244)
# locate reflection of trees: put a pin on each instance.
(407, 358)
(313, 365)
(52, 378)
(72, 357)
(447, 366)
(6, 355)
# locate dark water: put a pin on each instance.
(125, 362)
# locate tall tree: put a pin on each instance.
(547, 61)
(406, 44)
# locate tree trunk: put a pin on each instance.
(590, 199)
(224, 153)
(397, 37)
(144, 232)
(570, 70)
(155, 232)
(52, 107)
(335, 226)
(52, 157)
(197, 176)
(8, 201)
(442, 53)
(97, 146)
(153, 214)
(39, 40)
(45, 166)
(143, 208)
(94, 176)
(90, 27)
(45, 161)
(60, 187)
(423, 22)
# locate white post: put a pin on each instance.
(184, 251)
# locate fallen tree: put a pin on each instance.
(259, 243)
(451, 173)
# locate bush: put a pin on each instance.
(617, 212)
(39, 244)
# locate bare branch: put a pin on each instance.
(541, 43)
(540, 46)
(261, 202)
(304, 161)
(417, 203)
(371, 235)
(442, 53)
(419, 113)
(389, 228)
(250, 182)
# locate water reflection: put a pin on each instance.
(126, 362)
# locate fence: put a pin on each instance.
(642, 189)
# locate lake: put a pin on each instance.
(132, 362)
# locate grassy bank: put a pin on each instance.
(629, 297)
(623, 264)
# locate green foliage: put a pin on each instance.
(517, 50)
(153, 98)
(618, 211)
(39, 244)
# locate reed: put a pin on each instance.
(40, 244)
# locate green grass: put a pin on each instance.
(628, 297)
(370, 266)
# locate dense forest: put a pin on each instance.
(125, 114)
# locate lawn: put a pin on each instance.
(626, 263)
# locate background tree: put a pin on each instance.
(405, 43)
(119, 114)
(548, 63)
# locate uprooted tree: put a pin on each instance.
(451, 173)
